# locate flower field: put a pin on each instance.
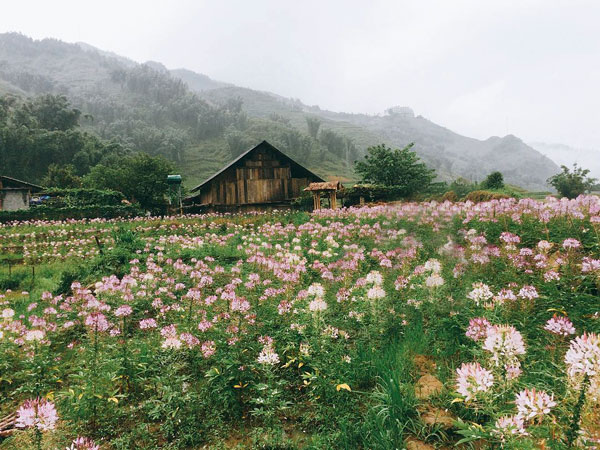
(414, 325)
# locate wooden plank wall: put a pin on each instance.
(261, 178)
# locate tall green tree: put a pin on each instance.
(61, 177)
(400, 168)
(313, 124)
(572, 183)
(494, 180)
(141, 178)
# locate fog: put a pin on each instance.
(529, 68)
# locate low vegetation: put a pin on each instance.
(378, 327)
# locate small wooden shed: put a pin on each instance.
(328, 187)
(16, 194)
(261, 176)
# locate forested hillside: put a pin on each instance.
(144, 108)
(201, 124)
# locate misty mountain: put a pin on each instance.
(201, 124)
(566, 155)
(197, 81)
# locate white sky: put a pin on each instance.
(481, 68)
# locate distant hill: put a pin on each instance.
(197, 81)
(451, 154)
(567, 155)
(201, 124)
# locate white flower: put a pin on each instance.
(375, 278)
(318, 304)
(376, 292)
(268, 356)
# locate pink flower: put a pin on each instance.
(204, 325)
(510, 425)
(190, 340)
(146, 324)
(528, 292)
(268, 356)
(169, 331)
(590, 265)
(317, 305)
(505, 344)
(37, 413)
(561, 326)
(583, 358)
(533, 404)
(208, 349)
(97, 321)
(83, 443)
(480, 293)
(478, 328)
(472, 379)
(571, 243)
(123, 311)
(551, 275)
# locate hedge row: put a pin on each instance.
(61, 198)
(71, 212)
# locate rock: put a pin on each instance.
(414, 444)
(428, 386)
(424, 364)
(436, 416)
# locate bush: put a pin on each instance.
(397, 168)
(571, 184)
(83, 197)
(484, 196)
(71, 212)
(371, 193)
(494, 180)
(449, 196)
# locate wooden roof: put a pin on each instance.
(14, 183)
(246, 153)
(324, 186)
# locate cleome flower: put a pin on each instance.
(268, 356)
(507, 426)
(505, 344)
(481, 293)
(83, 443)
(561, 326)
(471, 379)
(534, 404)
(583, 358)
(478, 328)
(37, 413)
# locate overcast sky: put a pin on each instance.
(481, 67)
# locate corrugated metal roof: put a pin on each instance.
(24, 183)
(245, 154)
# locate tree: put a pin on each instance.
(571, 184)
(313, 124)
(141, 178)
(53, 112)
(398, 168)
(494, 180)
(61, 177)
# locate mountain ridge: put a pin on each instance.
(133, 102)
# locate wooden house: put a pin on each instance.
(15, 194)
(261, 176)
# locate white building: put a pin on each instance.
(15, 194)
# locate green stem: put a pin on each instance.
(574, 427)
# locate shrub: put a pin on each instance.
(484, 196)
(494, 180)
